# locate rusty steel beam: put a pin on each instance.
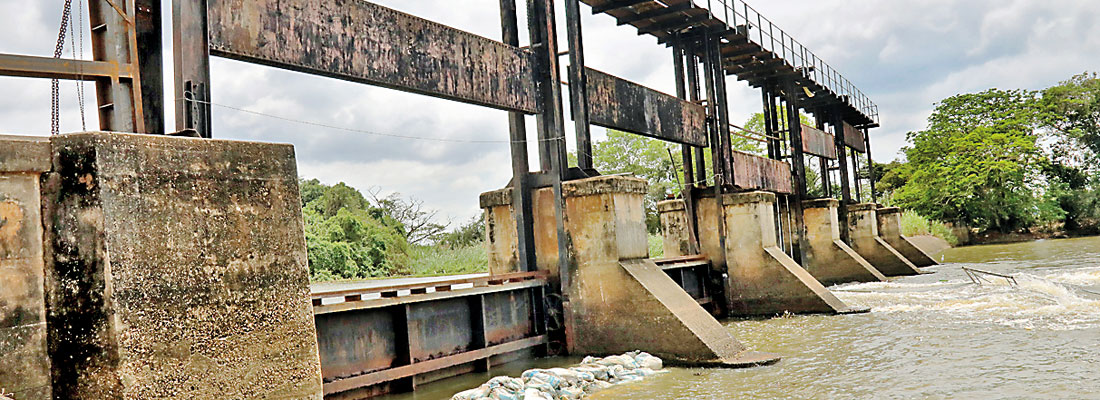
(755, 172)
(842, 164)
(615, 5)
(673, 25)
(853, 137)
(655, 13)
(364, 42)
(817, 142)
(150, 52)
(620, 104)
(61, 68)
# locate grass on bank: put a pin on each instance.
(442, 260)
(913, 224)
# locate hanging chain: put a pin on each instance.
(55, 126)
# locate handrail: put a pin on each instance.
(794, 54)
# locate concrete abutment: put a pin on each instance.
(829, 259)
(760, 279)
(863, 233)
(619, 299)
(889, 228)
(159, 267)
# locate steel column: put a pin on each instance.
(694, 96)
(823, 162)
(191, 47)
(113, 41)
(870, 165)
(842, 164)
(578, 95)
(687, 191)
(521, 182)
(542, 28)
(151, 64)
(798, 167)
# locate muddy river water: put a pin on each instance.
(935, 336)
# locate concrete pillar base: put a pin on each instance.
(24, 361)
(889, 228)
(176, 268)
(762, 279)
(828, 258)
(864, 237)
(618, 299)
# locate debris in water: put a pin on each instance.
(568, 383)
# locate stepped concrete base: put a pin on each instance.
(828, 258)
(24, 362)
(618, 300)
(176, 269)
(889, 228)
(763, 280)
(864, 237)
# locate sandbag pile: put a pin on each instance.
(567, 383)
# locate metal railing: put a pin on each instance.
(767, 35)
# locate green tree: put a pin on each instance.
(1073, 111)
(977, 161)
(649, 159)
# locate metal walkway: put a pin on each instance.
(753, 48)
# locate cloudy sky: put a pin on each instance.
(905, 55)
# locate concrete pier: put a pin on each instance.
(24, 362)
(864, 237)
(176, 268)
(619, 299)
(761, 278)
(889, 228)
(828, 258)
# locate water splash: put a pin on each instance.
(1049, 301)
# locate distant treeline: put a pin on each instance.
(1006, 160)
(352, 236)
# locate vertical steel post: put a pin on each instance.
(723, 110)
(521, 182)
(823, 162)
(855, 178)
(687, 191)
(716, 142)
(870, 165)
(769, 118)
(798, 168)
(694, 97)
(578, 92)
(114, 40)
(842, 163)
(191, 46)
(542, 28)
(151, 63)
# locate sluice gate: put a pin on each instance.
(168, 267)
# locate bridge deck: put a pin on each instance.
(753, 49)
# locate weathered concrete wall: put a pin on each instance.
(674, 230)
(24, 362)
(828, 258)
(865, 240)
(618, 299)
(763, 280)
(889, 228)
(176, 268)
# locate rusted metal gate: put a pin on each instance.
(391, 338)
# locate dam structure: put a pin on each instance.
(142, 261)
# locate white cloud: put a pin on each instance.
(904, 55)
